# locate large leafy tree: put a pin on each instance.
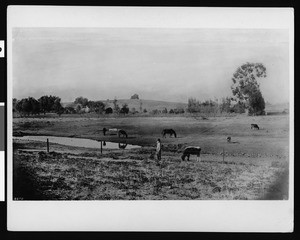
(193, 105)
(23, 106)
(96, 106)
(225, 105)
(245, 87)
(99, 107)
(124, 109)
(44, 104)
(81, 100)
(28, 106)
(256, 103)
(35, 106)
(57, 107)
(49, 103)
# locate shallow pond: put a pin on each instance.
(79, 142)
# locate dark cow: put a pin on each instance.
(115, 131)
(122, 133)
(229, 139)
(105, 130)
(254, 126)
(168, 131)
(191, 151)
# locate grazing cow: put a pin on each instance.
(120, 132)
(254, 126)
(228, 139)
(191, 151)
(168, 131)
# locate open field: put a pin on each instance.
(255, 165)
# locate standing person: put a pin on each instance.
(158, 150)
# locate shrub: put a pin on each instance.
(108, 110)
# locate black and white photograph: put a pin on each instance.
(150, 113)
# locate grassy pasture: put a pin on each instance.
(255, 164)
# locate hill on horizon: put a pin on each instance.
(160, 105)
(144, 103)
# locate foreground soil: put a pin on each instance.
(86, 174)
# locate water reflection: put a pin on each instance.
(78, 142)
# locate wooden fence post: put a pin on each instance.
(47, 145)
(101, 146)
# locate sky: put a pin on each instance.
(158, 64)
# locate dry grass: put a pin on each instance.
(255, 166)
(92, 176)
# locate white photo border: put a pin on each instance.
(208, 216)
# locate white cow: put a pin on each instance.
(191, 151)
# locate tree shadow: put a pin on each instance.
(25, 186)
(279, 190)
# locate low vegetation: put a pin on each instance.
(136, 176)
(254, 164)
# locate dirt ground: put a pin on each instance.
(255, 163)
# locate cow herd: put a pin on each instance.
(190, 150)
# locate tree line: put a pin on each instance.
(52, 104)
(31, 106)
(246, 93)
(245, 90)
